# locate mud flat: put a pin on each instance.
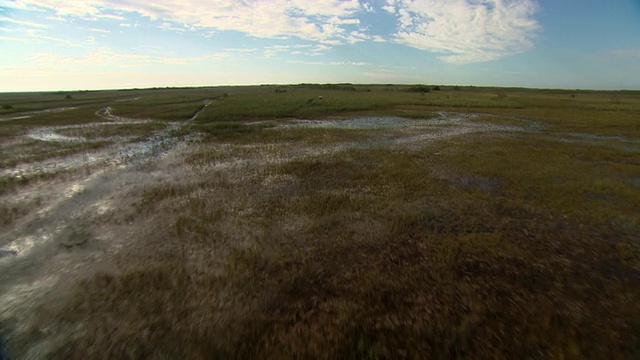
(31, 258)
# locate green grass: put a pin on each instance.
(265, 133)
(164, 111)
(300, 102)
(608, 113)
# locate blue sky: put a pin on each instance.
(104, 44)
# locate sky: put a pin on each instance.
(111, 44)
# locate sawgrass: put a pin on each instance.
(292, 242)
(438, 252)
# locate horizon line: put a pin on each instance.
(311, 83)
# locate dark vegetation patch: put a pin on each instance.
(74, 236)
(13, 184)
(10, 213)
(3, 352)
(226, 130)
(266, 133)
(6, 253)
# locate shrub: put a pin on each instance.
(419, 88)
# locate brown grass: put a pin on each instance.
(492, 246)
(378, 254)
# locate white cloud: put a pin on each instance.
(271, 51)
(368, 7)
(110, 17)
(170, 27)
(320, 20)
(356, 36)
(349, 63)
(338, 21)
(462, 31)
(467, 31)
(332, 63)
(99, 30)
(389, 8)
(19, 39)
(303, 49)
(36, 34)
(56, 18)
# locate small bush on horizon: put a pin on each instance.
(420, 88)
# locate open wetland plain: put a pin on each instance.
(320, 222)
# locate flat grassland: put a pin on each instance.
(320, 221)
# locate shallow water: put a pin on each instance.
(28, 114)
(123, 152)
(3, 353)
(382, 122)
(50, 133)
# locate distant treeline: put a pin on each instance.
(421, 88)
(341, 86)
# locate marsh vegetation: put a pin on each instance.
(321, 221)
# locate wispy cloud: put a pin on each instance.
(320, 20)
(19, 39)
(169, 26)
(462, 31)
(110, 17)
(466, 31)
(56, 18)
(331, 63)
(99, 30)
(38, 35)
(301, 49)
(103, 56)
(25, 23)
